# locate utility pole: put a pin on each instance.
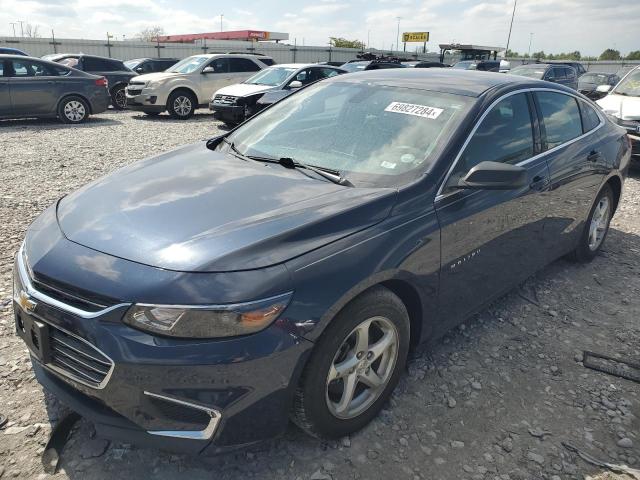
(21, 28)
(221, 15)
(398, 34)
(530, 40)
(515, 2)
(368, 34)
(13, 24)
(109, 37)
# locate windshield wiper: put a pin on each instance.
(232, 147)
(332, 175)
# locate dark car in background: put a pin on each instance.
(32, 87)
(113, 70)
(561, 74)
(479, 65)
(150, 65)
(579, 68)
(12, 51)
(365, 65)
(431, 65)
(589, 82)
(235, 103)
(199, 299)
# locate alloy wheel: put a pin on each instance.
(362, 367)
(599, 223)
(74, 111)
(120, 98)
(182, 105)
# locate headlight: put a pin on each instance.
(207, 321)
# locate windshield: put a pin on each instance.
(595, 78)
(354, 66)
(188, 65)
(374, 135)
(271, 76)
(531, 72)
(630, 85)
(131, 64)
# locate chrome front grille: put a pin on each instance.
(77, 358)
(225, 99)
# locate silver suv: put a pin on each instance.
(190, 83)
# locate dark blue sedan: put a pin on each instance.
(198, 300)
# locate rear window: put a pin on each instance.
(590, 118)
(243, 65)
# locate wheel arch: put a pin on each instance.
(184, 89)
(615, 182)
(117, 85)
(74, 94)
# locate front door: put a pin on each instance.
(492, 239)
(211, 82)
(34, 88)
(5, 96)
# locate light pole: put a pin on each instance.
(398, 34)
(368, 34)
(515, 2)
(13, 24)
(221, 15)
(530, 40)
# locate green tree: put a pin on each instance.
(511, 54)
(344, 43)
(539, 55)
(635, 55)
(610, 54)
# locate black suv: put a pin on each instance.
(150, 65)
(115, 71)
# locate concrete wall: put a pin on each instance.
(126, 50)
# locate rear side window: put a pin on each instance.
(505, 135)
(68, 62)
(243, 65)
(267, 61)
(28, 68)
(561, 117)
(570, 73)
(590, 118)
(93, 64)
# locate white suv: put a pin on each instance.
(190, 83)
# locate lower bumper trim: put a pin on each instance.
(204, 434)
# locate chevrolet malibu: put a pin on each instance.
(199, 299)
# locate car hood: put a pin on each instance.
(157, 76)
(194, 209)
(243, 89)
(621, 106)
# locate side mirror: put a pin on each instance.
(295, 84)
(206, 70)
(494, 176)
(603, 88)
(139, 69)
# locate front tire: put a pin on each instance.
(73, 109)
(596, 227)
(181, 105)
(354, 367)
(119, 98)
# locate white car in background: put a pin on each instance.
(623, 105)
(190, 83)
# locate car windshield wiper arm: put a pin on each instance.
(232, 147)
(287, 162)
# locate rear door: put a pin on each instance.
(492, 239)
(5, 96)
(34, 87)
(577, 165)
(241, 68)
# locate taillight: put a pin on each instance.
(102, 82)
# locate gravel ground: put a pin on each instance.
(492, 400)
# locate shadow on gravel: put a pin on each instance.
(55, 124)
(166, 118)
(92, 458)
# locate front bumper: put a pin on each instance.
(144, 99)
(227, 113)
(192, 396)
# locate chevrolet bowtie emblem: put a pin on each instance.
(25, 302)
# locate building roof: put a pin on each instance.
(259, 35)
(468, 46)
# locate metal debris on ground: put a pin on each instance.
(613, 366)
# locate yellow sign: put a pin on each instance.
(415, 37)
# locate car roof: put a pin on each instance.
(459, 82)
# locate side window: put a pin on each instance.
(570, 73)
(1, 69)
(243, 65)
(69, 62)
(26, 68)
(590, 118)
(93, 64)
(220, 65)
(304, 76)
(267, 61)
(328, 72)
(505, 135)
(561, 117)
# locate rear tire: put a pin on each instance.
(119, 98)
(181, 105)
(364, 352)
(73, 109)
(596, 227)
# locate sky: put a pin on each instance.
(589, 26)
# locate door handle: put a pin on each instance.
(593, 156)
(538, 183)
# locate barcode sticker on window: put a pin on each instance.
(413, 109)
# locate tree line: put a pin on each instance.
(608, 54)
